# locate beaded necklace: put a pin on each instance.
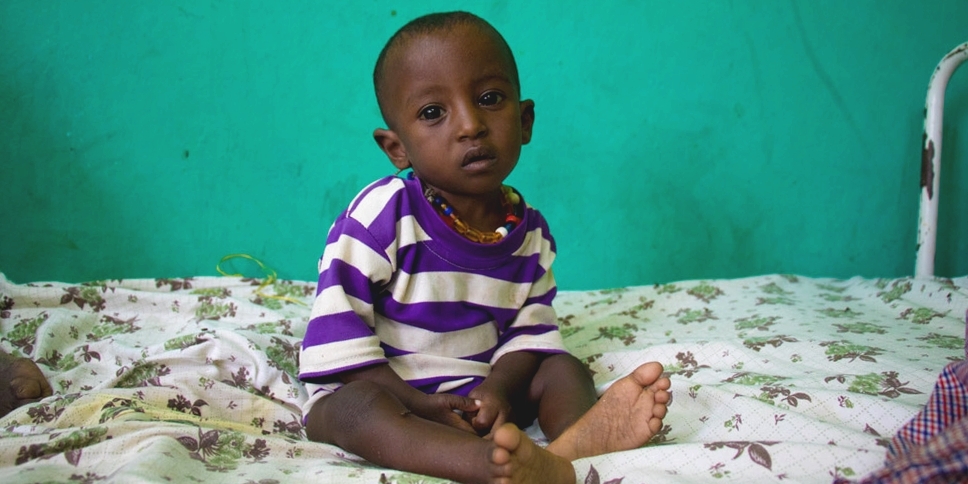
(509, 201)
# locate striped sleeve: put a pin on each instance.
(340, 334)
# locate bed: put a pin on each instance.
(774, 377)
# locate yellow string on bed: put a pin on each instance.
(271, 277)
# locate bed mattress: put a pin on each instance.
(776, 377)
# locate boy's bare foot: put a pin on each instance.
(21, 382)
(517, 460)
(627, 415)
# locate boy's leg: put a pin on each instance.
(368, 421)
(627, 415)
(561, 393)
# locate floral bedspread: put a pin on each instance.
(189, 380)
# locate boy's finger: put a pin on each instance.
(492, 423)
(464, 404)
(498, 421)
(459, 423)
(484, 419)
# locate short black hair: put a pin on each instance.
(429, 24)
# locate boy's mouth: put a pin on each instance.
(477, 158)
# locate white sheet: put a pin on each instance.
(774, 377)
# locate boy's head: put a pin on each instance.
(448, 89)
(426, 25)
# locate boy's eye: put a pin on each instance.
(490, 98)
(431, 112)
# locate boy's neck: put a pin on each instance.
(485, 213)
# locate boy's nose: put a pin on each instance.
(470, 124)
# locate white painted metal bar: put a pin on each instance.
(931, 160)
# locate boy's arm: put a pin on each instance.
(439, 407)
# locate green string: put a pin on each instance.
(270, 279)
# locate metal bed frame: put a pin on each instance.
(931, 160)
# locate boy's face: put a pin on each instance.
(454, 111)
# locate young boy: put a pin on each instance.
(432, 339)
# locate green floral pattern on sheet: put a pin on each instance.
(943, 341)
(195, 379)
(759, 357)
(223, 451)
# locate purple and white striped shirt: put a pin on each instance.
(397, 285)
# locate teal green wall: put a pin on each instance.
(673, 140)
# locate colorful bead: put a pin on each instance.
(512, 220)
(510, 195)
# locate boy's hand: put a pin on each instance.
(495, 410)
(21, 382)
(441, 408)
(510, 375)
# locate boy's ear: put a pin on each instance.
(390, 143)
(527, 120)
